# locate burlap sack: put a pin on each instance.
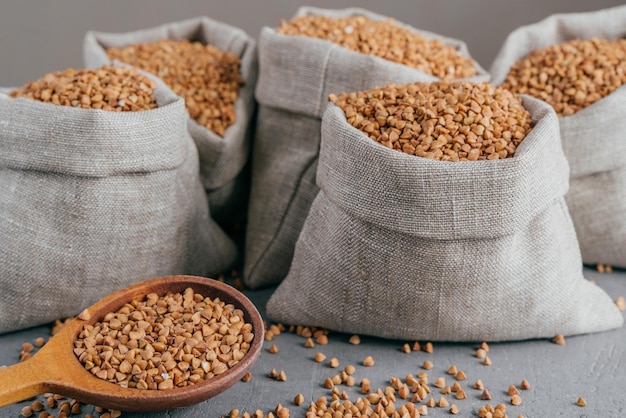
(404, 247)
(292, 93)
(593, 139)
(222, 159)
(93, 201)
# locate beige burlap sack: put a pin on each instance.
(222, 159)
(593, 138)
(404, 247)
(292, 93)
(93, 201)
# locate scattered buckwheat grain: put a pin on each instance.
(27, 412)
(559, 339)
(322, 339)
(320, 357)
(478, 385)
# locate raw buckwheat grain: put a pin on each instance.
(205, 76)
(456, 121)
(384, 39)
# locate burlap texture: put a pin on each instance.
(93, 201)
(404, 247)
(222, 159)
(292, 93)
(593, 138)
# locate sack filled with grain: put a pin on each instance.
(577, 63)
(213, 66)
(346, 50)
(466, 239)
(100, 189)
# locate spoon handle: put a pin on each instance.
(22, 381)
(39, 374)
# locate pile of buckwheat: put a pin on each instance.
(572, 75)
(162, 342)
(384, 39)
(205, 76)
(108, 88)
(447, 121)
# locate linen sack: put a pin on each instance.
(404, 247)
(593, 138)
(93, 201)
(292, 93)
(222, 159)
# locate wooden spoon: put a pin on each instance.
(56, 369)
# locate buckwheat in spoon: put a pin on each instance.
(159, 344)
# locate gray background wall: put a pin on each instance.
(39, 36)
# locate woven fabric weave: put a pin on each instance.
(292, 93)
(222, 159)
(593, 138)
(403, 247)
(93, 201)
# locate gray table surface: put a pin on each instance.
(592, 366)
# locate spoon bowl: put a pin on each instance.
(55, 368)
